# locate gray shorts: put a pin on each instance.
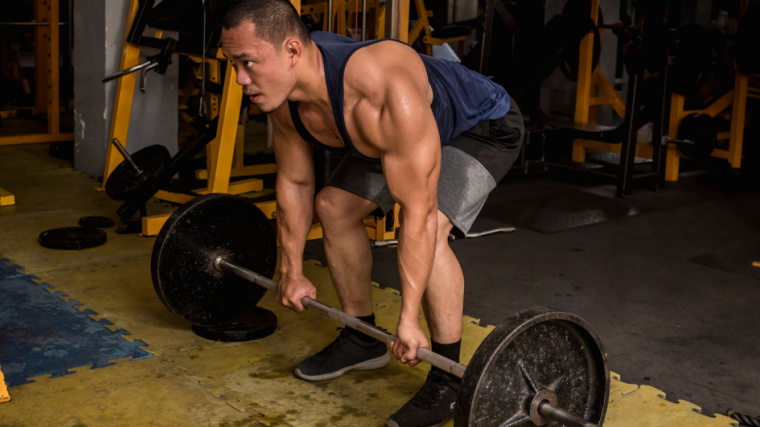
(471, 166)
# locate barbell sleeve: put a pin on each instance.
(558, 414)
(435, 359)
(126, 155)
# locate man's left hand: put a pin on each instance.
(410, 338)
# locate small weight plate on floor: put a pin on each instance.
(256, 324)
(125, 182)
(72, 238)
(95, 222)
(182, 264)
(539, 348)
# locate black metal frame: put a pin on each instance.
(136, 36)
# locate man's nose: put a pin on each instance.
(242, 79)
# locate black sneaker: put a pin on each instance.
(345, 354)
(431, 406)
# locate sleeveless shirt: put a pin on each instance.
(462, 98)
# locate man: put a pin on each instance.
(425, 133)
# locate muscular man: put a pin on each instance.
(425, 133)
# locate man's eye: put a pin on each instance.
(248, 64)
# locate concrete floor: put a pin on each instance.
(665, 278)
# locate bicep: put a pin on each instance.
(410, 146)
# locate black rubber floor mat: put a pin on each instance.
(737, 260)
(562, 211)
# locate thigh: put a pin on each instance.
(364, 179)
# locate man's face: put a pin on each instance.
(265, 74)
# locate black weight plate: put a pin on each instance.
(95, 222)
(257, 323)
(72, 238)
(125, 182)
(534, 349)
(702, 130)
(198, 232)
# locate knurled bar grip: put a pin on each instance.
(429, 356)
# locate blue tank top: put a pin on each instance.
(462, 98)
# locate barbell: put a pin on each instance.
(539, 367)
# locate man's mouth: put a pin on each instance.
(254, 97)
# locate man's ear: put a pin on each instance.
(294, 47)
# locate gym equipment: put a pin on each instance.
(697, 135)
(137, 173)
(137, 185)
(539, 365)
(255, 324)
(72, 238)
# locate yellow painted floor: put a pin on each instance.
(190, 381)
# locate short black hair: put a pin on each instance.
(275, 20)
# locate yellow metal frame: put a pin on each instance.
(735, 98)
(594, 89)
(7, 198)
(423, 24)
(47, 77)
(4, 395)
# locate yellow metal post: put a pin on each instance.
(47, 86)
(41, 56)
(584, 88)
(125, 91)
(53, 71)
(224, 143)
(736, 138)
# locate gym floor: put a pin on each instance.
(665, 278)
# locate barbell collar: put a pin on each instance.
(224, 265)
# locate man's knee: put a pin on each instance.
(444, 229)
(333, 204)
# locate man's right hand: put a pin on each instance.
(290, 291)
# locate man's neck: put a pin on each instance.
(312, 86)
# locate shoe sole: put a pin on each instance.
(367, 365)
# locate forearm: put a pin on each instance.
(416, 250)
(294, 218)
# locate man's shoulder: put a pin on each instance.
(385, 54)
(323, 37)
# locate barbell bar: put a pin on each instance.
(545, 407)
(539, 365)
